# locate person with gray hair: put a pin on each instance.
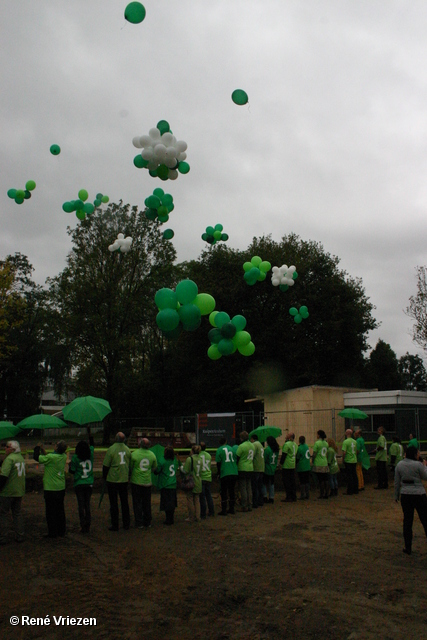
(12, 490)
(54, 487)
(142, 463)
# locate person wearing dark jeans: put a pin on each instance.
(381, 459)
(55, 513)
(408, 485)
(54, 487)
(115, 472)
(118, 490)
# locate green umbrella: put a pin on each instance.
(41, 421)
(265, 431)
(8, 430)
(86, 409)
(353, 414)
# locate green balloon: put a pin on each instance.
(205, 302)
(239, 97)
(228, 330)
(151, 214)
(68, 207)
(97, 202)
(83, 195)
(167, 319)
(162, 211)
(204, 236)
(247, 350)
(80, 214)
(99, 196)
(30, 185)
(242, 338)
(224, 237)
(294, 275)
(88, 208)
(166, 199)
(152, 202)
(217, 235)
(293, 311)
(189, 315)
(168, 234)
(265, 266)
(212, 317)
(256, 261)
(215, 336)
(247, 266)
(210, 231)
(12, 193)
(55, 150)
(303, 311)
(135, 12)
(226, 347)
(19, 200)
(283, 287)
(166, 299)
(186, 291)
(20, 193)
(105, 199)
(213, 352)
(183, 167)
(162, 172)
(27, 194)
(239, 322)
(221, 319)
(298, 318)
(262, 276)
(159, 193)
(139, 162)
(219, 227)
(163, 126)
(153, 173)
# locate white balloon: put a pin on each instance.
(172, 174)
(120, 236)
(167, 138)
(171, 152)
(152, 164)
(154, 133)
(147, 153)
(181, 156)
(170, 162)
(160, 151)
(145, 141)
(111, 247)
(136, 141)
(181, 145)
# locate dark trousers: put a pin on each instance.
(55, 513)
(352, 481)
(141, 500)
(382, 474)
(257, 497)
(83, 494)
(228, 487)
(268, 489)
(115, 490)
(410, 503)
(288, 476)
(12, 504)
(206, 498)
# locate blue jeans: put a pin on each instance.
(206, 497)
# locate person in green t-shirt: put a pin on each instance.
(271, 460)
(320, 463)
(54, 487)
(349, 456)
(12, 490)
(396, 453)
(81, 467)
(193, 465)
(227, 470)
(115, 471)
(381, 459)
(142, 463)
(303, 467)
(166, 470)
(288, 463)
(245, 464)
(258, 473)
(363, 459)
(206, 473)
(413, 442)
(331, 456)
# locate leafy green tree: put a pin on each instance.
(412, 373)
(382, 368)
(104, 302)
(417, 309)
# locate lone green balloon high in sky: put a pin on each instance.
(135, 12)
(239, 97)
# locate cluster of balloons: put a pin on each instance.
(19, 195)
(135, 12)
(228, 336)
(83, 208)
(299, 314)
(55, 149)
(284, 277)
(239, 97)
(122, 244)
(214, 234)
(159, 205)
(256, 270)
(162, 154)
(182, 308)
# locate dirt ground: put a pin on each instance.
(317, 569)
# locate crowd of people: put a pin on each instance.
(246, 472)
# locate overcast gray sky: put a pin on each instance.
(332, 145)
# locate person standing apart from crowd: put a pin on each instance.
(349, 456)
(271, 460)
(115, 472)
(142, 463)
(227, 470)
(258, 473)
(166, 470)
(206, 474)
(288, 463)
(193, 465)
(363, 459)
(12, 490)
(413, 442)
(381, 459)
(245, 465)
(81, 468)
(54, 487)
(334, 469)
(396, 453)
(320, 463)
(303, 467)
(408, 485)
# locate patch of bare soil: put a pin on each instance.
(317, 569)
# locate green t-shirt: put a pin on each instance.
(167, 473)
(381, 455)
(225, 458)
(271, 459)
(320, 450)
(413, 443)
(259, 463)
(303, 458)
(54, 471)
(290, 450)
(142, 463)
(245, 453)
(13, 468)
(82, 469)
(349, 448)
(331, 457)
(117, 459)
(396, 449)
(206, 471)
(362, 455)
(197, 470)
